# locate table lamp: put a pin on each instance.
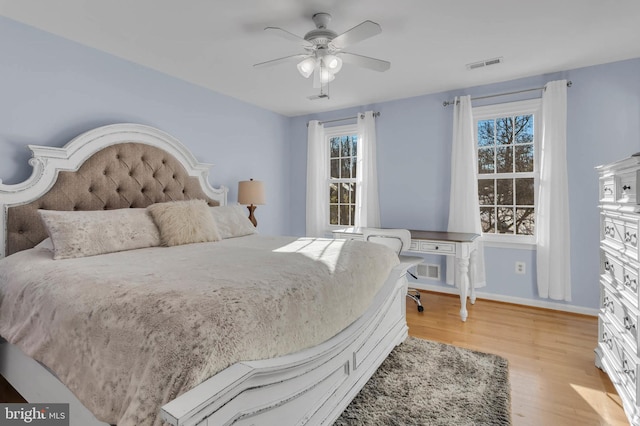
(251, 193)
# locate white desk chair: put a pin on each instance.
(398, 240)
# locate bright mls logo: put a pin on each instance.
(34, 414)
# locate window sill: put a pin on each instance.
(509, 244)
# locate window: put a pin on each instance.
(506, 136)
(342, 142)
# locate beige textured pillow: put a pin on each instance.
(232, 221)
(184, 222)
(88, 233)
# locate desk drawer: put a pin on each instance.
(437, 247)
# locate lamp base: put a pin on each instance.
(252, 218)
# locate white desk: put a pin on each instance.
(460, 245)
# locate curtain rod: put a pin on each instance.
(375, 114)
(447, 103)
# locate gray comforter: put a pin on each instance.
(130, 331)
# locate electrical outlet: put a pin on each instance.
(521, 268)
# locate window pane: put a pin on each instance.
(504, 131)
(488, 219)
(346, 146)
(335, 169)
(344, 193)
(354, 145)
(485, 191)
(524, 192)
(485, 160)
(504, 159)
(525, 221)
(523, 129)
(524, 158)
(353, 193)
(486, 133)
(344, 215)
(333, 193)
(505, 220)
(335, 147)
(504, 193)
(333, 214)
(353, 214)
(346, 167)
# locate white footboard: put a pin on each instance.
(312, 386)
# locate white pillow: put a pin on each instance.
(232, 221)
(88, 233)
(184, 222)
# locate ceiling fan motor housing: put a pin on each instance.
(321, 36)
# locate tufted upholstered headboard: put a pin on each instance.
(112, 167)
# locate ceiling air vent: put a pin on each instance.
(485, 63)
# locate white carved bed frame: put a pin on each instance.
(312, 386)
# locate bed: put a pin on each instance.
(313, 359)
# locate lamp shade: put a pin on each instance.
(306, 67)
(251, 192)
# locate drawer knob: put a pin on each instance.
(628, 324)
(437, 247)
(607, 189)
(608, 267)
(626, 187)
(631, 238)
(606, 340)
(630, 372)
(632, 283)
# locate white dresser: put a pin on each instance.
(618, 350)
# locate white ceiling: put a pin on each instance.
(214, 43)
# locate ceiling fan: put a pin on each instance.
(324, 52)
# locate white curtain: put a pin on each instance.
(317, 179)
(464, 207)
(367, 200)
(552, 212)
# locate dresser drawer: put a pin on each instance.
(437, 248)
(611, 269)
(623, 315)
(629, 289)
(612, 230)
(630, 238)
(607, 189)
(626, 186)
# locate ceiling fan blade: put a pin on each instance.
(358, 33)
(289, 36)
(365, 61)
(292, 58)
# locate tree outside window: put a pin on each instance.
(342, 178)
(506, 169)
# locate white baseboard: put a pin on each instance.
(510, 299)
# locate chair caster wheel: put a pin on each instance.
(420, 308)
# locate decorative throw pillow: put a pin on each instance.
(184, 222)
(232, 221)
(88, 233)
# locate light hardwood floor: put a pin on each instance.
(551, 362)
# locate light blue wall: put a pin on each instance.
(414, 151)
(52, 89)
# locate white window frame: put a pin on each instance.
(532, 106)
(331, 132)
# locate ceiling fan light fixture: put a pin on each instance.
(326, 76)
(333, 63)
(306, 67)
